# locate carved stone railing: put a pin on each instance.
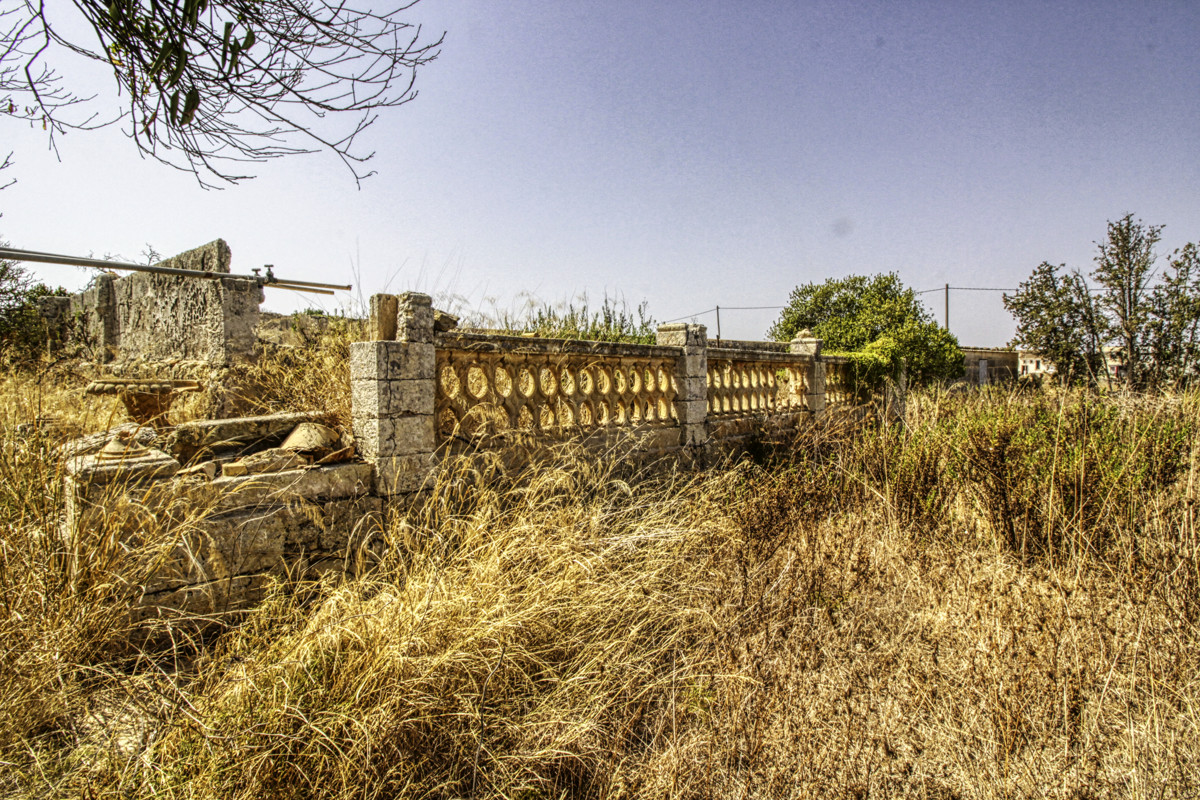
(488, 384)
(838, 383)
(744, 383)
(420, 392)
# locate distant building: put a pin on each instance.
(1114, 363)
(1032, 363)
(985, 365)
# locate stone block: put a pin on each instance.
(693, 365)
(681, 334)
(403, 474)
(392, 361)
(691, 412)
(693, 435)
(805, 344)
(413, 435)
(212, 597)
(325, 483)
(658, 439)
(382, 324)
(373, 437)
(393, 436)
(96, 470)
(415, 318)
(377, 398)
(694, 387)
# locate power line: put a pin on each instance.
(725, 308)
(963, 289)
(689, 316)
(947, 289)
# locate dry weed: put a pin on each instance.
(998, 600)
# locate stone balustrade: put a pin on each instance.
(419, 392)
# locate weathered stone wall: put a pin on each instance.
(420, 395)
(224, 539)
(166, 318)
(986, 365)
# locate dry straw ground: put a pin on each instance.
(1000, 600)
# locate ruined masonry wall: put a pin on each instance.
(158, 318)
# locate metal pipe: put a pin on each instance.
(300, 288)
(271, 279)
(78, 261)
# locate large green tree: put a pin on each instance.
(206, 84)
(877, 320)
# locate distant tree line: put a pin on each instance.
(1130, 311)
(22, 333)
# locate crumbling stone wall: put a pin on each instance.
(224, 535)
(420, 393)
(167, 318)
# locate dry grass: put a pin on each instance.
(314, 376)
(999, 601)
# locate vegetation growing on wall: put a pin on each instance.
(878, 322)
(613, 321)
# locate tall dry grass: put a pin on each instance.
(997, 600)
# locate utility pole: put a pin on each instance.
(718, 323)
(947, 306)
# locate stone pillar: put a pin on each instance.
(691, 377)
(805, 344)
(93, 315)
(382, 325)
(392, 384)
(130, 471)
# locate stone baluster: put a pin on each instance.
(392, 381)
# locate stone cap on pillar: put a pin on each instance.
(805, 344)
(681, 334)
(414, 317)
(408, 317)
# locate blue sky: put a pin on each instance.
(694, 154)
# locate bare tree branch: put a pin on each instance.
(212, 83)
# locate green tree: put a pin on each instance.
(1124, 270)
(878, 321)
(22, 334)
(1058, 319)
(1151, 319)
(1171, 342)
(204, 84)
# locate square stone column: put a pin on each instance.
(691, 377)
(392, 384)
(806, 344)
